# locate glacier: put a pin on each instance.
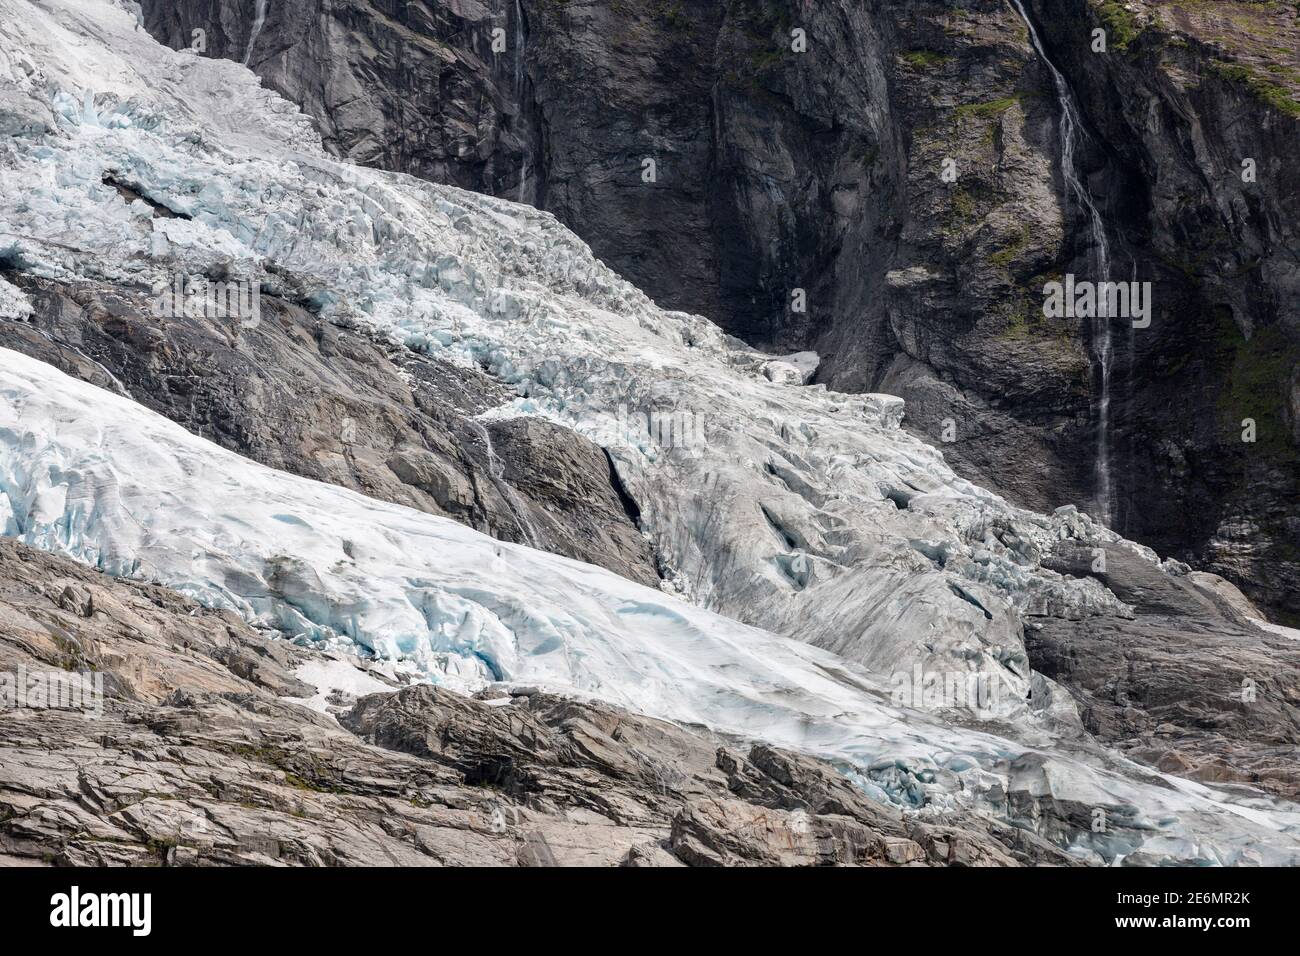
(807, 512)
(812, 514)
(101, 479)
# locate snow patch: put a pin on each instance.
(338, 682)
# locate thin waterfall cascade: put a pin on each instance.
(259, 21)
(519, 48)
(1073, 135)
(532, 537)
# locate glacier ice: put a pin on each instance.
(102, 479)
(806, 511)
(802, 510)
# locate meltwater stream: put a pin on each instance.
(259, 21)
(1072, 136)
(520, 43)
(519, 47)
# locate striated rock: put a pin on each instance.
(1189, 685)
(146, 641)
(202, 756)
(566, 483)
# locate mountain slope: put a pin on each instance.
(806, 511)
(98, 478)
(823, 171)
(204, 755)
(330, 403)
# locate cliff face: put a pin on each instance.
(798, 198)
(1199, 108)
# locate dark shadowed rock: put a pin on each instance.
(566, 483)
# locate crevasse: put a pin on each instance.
(903, 563)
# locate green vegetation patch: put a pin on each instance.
(1262, 87)
(672, 13)
(924, 59)
(987, 110)
(1122, 27)
(963, 205)
(1256, 384)
(1008, 254)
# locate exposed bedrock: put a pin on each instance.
(308, 397)
(776, 170)
(1199, 109)
(204, 754)
(1189, 683)
(414, 87)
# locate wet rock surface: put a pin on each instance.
(1190, 116)
(308, 397)
(459, 117)
(204, 754)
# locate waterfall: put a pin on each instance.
(519, 93)
(518, 509)
(1073, 135)
(519, 49)
(259, 20)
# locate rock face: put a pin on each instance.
(1199, 106)
(1188, 683)
(833, 492)
(797, 198)
(308, 397)
(203, 753)
(415, 87)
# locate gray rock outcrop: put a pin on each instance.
(307, 397)
(1190, 683)
(204, 754)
